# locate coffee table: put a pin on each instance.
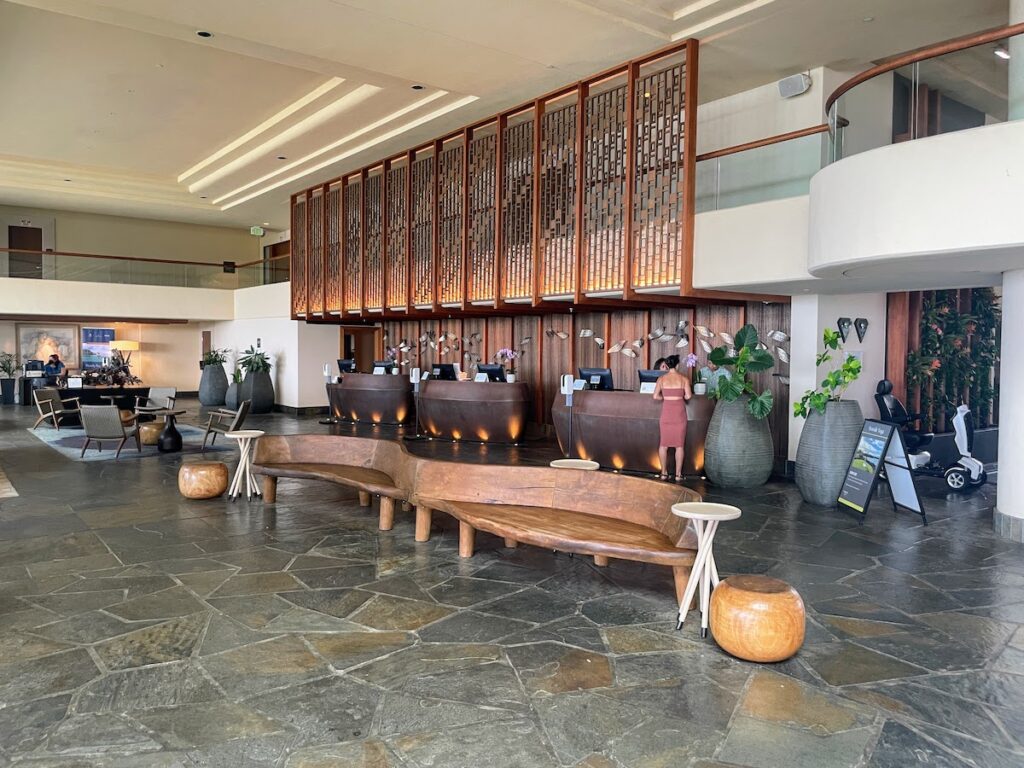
(170, 438)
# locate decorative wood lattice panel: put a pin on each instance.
(557, 202)
(397, 258)
(353, 262)
(373, 242)
(482, 168)
(298, 255)
(332, 288)
(315, 253)
(450, 203)
(423, 231)
(658, 184)
(517, 211)
(604, 193)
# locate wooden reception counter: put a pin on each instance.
(373, 399)
(619, 430)
(467, 410)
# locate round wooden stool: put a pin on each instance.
(203, 479)
(149, 432)
(757, 618)
(704, 573)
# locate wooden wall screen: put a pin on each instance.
(583, 195)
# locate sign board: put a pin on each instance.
(378, 370)
(579, 385)
(74, 382)
(647, 388)
(880, 455)
(481, 377)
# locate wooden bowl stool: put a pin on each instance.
(203, 479)
(757, 618)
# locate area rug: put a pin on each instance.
(68, 442)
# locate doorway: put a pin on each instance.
(361, 343)
(21, 264)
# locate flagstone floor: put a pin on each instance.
(141, 629)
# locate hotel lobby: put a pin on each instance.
(467, 394)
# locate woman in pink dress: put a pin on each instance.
(673, 389)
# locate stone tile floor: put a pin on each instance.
(141, 629)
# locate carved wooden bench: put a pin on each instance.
(595, 513)
(375, 467)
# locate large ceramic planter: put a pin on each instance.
(231, 396)
(827, 443)
(213, 385)
(7, 391)
(258, 387)
(738, 451)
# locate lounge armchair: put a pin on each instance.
(50, 406)
(103, 424)
(224, 420)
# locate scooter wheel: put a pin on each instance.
(956, 479)
(982, 478)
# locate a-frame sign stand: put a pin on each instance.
(880, 455)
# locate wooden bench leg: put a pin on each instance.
(423, 515)
(387, 513)
(467, 535)
(681, 574)
(364, 499)
(600, 560)
(269, 489)
(510, 543)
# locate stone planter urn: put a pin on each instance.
(231, 396)
(827, 443)
(213, 385)
(258, 387)
(738, 450)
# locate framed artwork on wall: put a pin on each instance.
(96, 346)
(38, 342)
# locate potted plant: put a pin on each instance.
(213, 384)
(8, 370)
(738, 451)
(833, 426)
(508, 358)
(231, 394)
(257, 386)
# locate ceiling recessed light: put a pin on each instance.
(868, 19)
(203, 33)
(266, 223)
(417, 87)
(67, 179)
(1001, 52)
(202, 197)
(281, 157)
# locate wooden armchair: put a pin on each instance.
(103, 424)
(50, 406)
(224, 420)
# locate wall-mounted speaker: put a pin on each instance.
(794, 85)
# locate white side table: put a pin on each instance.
(705, 517)
(246, 442)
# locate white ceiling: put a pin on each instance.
(117, 106)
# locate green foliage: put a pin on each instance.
(8, 365)
(746, 357)
(254, 361)
(236, 376)
(834, 385)
(215, 357)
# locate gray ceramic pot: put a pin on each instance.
(259, 388)
(231, 396)
(826, 446)
(213, 385)
(738, 451)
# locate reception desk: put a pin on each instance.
(373, 399)
(465, 410)
(619, 430)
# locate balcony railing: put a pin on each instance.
(102, 268)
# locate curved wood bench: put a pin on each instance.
(595, 513)
(374, 467)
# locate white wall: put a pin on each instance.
(811, 315)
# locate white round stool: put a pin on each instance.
(246, 441)
(705, 517)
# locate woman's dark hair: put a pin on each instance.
(672, 361)
(658, 362)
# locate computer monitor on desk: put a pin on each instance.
(444, 371)
(387, 365)
(346, 365)
(650, 376)
(597, 378)
(494, 372)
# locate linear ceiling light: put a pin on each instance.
(721, 19)
(315, 120)
(1001, 52)
(355, 150)
(273, 120)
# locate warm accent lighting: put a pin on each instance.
(1001, 52)
(125, 345)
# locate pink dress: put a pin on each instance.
(673, 418)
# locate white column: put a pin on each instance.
(1016, 82)
(804, 340)
(1009, 515)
